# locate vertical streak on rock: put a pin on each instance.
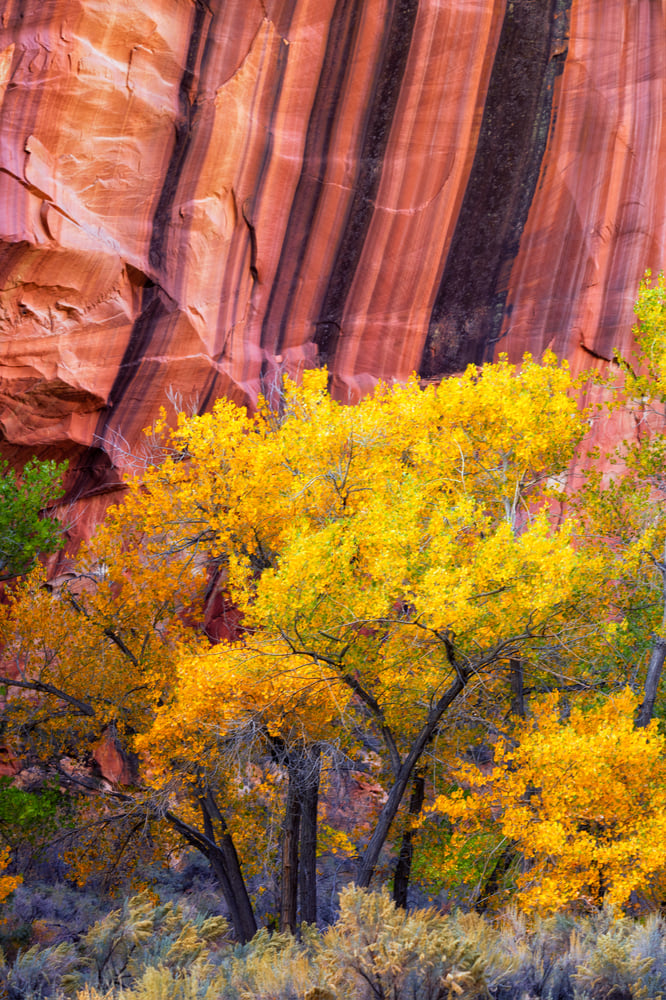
(381, 108)
(340, 43)
(187, 95)
(158, 310)
(264, 165)
(601, 219)
(154, 302)
(214, 385)
(469, 306)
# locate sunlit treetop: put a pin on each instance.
(382, 540)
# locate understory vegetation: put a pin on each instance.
(387, 676)
(374, 949)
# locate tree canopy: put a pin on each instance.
(384, 557)
(407, 575)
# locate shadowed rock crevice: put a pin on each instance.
(381, 110)
(469, 305)
(339, 47)
(152, 307)
(159, 313)
(155, 306)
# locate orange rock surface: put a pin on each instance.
(197, 195)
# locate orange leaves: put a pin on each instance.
(234, 691)
(326, 517)
(7, 882)
(378, 554)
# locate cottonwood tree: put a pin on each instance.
(622, 506)
(386, 560)
(579, 785)
(92, 656)
(247, 723)
(647, 462)
(582, 799)
(403, 547)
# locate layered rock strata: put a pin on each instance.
(198, 196)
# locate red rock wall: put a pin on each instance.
(196, 196)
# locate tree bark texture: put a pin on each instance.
(299, 838)
(403, 868)
(657, 657)
(307, 872)
(371, 854)
(290, 839)
(223, 860)
(652, 678)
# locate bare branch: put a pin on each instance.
(43, 688)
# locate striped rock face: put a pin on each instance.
(198, 195)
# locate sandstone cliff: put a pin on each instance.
(196, 195)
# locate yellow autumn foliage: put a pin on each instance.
(357, 537)
(581, 798)
(383, 558)
(380, 555)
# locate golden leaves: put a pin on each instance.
(582, 798)
(373, 553)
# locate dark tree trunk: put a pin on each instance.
(653, 676)
(307, 872)
(403, 868)
(223, 859)
(234, 871)
(656, 664)
(371, 854)
(517, 691)
(290, 845)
